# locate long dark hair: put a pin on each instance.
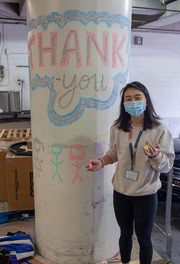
(151, 119)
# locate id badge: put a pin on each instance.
(131, 175)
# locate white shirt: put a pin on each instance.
(148, 181)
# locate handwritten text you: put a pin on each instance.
(82, 83)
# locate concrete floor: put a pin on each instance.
(159, 240)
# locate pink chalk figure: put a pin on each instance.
(77, 152)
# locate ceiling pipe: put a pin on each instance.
(169, 1)
(4, 20)
(156, 30)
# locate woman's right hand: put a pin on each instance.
(94, 165)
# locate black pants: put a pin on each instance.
(138, 211)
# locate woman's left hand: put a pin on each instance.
(151, 151)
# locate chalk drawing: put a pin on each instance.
(56, 153)
(77, 153)
(94, 47)
(52, 48)
(94, 204)
(67, 50)
(70, 88)
(91, 38)
(38, 146)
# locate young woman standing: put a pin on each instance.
(143, 148)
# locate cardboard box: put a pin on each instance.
(20, 185)
(4, 148)
(3, 182)
(29, 143)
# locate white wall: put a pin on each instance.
(14, 40)
(156, 64)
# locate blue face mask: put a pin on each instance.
(135, 108)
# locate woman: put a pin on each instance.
(143, 148)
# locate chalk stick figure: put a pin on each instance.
(38, 146)
(77, 152)
(56, 153)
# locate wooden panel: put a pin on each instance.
(2, 132)
(28, 132)
(9, 133)
(15, 134)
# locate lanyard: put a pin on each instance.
(133, 153)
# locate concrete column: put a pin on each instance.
(79, 61)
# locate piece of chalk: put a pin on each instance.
(146, 148)
(90, 166)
